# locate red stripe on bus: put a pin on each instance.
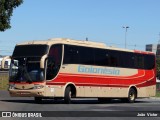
(88, 80)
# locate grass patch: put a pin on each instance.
(158, 93)
(4, 81)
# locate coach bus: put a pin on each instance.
(1, 63)
(5, 63)
(66, 69)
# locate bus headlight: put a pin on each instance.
(11, 86)
(38, 86)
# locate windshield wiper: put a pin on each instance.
(27, 76)
(23, 75)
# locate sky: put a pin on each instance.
(98, 20)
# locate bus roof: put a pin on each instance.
(79, 43)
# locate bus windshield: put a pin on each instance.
(26, 70)
(30, 50)
(25, 63)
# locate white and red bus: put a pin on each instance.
(65, 68)
(5, 63)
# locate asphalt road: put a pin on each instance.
(87, 108)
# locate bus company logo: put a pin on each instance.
(23, 87)
(21, 114)
(6, 114)
(95, 70)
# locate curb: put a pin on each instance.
(154, 98)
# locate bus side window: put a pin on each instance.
(149, 62)
(6, 64)
(54, 61)
(101, 57)
(71, 55)
(50, 68)
(139, 62)
(86, 56)
(114, 58)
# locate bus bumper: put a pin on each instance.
(27, 93)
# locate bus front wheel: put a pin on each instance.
(68, 95)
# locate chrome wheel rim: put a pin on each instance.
(132, 96)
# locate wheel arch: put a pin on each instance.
(135, 88)
(73, 88)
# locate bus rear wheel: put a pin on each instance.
(68, 95)
(131, 96)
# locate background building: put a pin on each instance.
(155, 48)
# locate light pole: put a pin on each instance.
(125, 34)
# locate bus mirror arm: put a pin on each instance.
(42, 61)
(3, 61)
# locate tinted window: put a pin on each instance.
(54, 61)
(114, 58)
(139, 61)
(71, 55)
(126, 59)
(30, 50)
(86, 55)
(78, 55)
(104, 57)
(149, 61)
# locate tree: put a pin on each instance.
(6, 10)
(158, 67)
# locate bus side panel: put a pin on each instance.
(103, 92)
(147, 91)
(93, 82)
(87, 91)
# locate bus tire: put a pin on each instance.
(38, 99)
(131, 95)
(68, 95)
